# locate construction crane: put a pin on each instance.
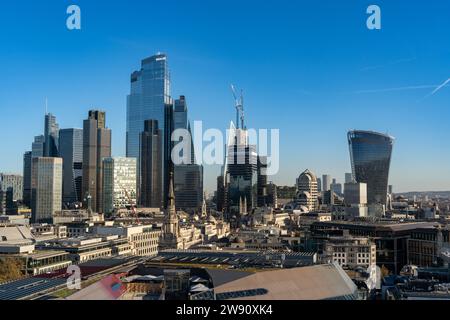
(239, 104)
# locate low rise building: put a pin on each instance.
(144, 240)
(351, 252)
(84, 249)
(18, 243)
(390, 238)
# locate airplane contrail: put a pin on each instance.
(396, 89)
(444, 84)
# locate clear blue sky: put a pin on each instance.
(310, 68)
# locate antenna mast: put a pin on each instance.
(239, 104)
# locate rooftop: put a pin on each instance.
(307, 283)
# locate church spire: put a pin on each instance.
(172, 212)
(204, 208)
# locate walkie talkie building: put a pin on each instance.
(370, 154)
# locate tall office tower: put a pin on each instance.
(319, 185)
(148, 99)
(51, 136)
(355, 193)
(181, 121)
(262, 194)
(71, 151)
(168, 166)
(151, 165)
(355, 199)
(37, 148)
(391, 189)
(46, 185)
(370, 154)
(326, 182)
(119, 183)
(7, 204)
(13, 182)
(242, 172)
(307, 190)
(188, 177)
(336, 187)
(221, 194)
(188, 184)
(96, 147)
(348, 178)
(272, 195)
(27, 157)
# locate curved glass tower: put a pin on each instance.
(370, 154)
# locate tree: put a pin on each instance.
(10, 269)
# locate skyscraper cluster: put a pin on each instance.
(152, 117)
(74, 168)
(77, 164)
(63, 168)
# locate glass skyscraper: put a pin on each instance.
(37, 148)
(151, 165)
(149, 99)
(51, 136)
(242, 172)
(27, 158)
(370, 154)
(150, 93)
(188, 177)
(71, 151)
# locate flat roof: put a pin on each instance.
(394, 226)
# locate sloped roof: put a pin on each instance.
(15, 234)
(308, 283)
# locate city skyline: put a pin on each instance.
(232, 152)
(387, 87)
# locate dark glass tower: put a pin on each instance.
(262, 196)
(168, 166)
(51, 136)
(151, 165)
(181, 121)
(188, 184)
(221, 194)
(188, 177)
(37, 148)
(27, 157)
(71, 151)
(242, 173)
(370, 154)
